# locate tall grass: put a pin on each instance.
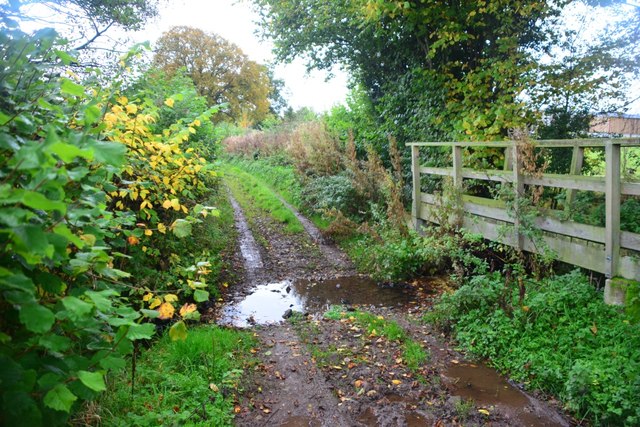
(192, 382)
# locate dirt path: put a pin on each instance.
(315, 371)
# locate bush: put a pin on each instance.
(563, 340)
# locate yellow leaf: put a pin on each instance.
(132, 108)
(166, 204)
(148, 232)
(123, 100)
(396, 382)
(196, 122)
(184, 209)
(175, 204)
(170, 298)
(169, 102)
(89, 239)
(162, 228)
(484, 412)
(166, 311)
(133, 240)
(186, 309)
(155, 303)
(192, 130)
(147, 297)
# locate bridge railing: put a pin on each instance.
(606, 249)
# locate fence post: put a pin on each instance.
(612, 208)
(418, 222)
(457, 183)
(577, 158)
(518, 189)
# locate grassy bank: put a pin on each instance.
(191, 382)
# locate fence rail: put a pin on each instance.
(606, 249)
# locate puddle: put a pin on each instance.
(267, 303)
(487, 388)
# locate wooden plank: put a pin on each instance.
(415, 171)
(631, 188)
(630, 241)
(577, 158)
(548, 143)
(508, 159)
(612, 209)
(429, 170)
(457, 168)
(518, 189)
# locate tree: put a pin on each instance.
(220, 71)
(86, 20)
(470, 60)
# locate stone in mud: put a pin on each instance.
(287, 314)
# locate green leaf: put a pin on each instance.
(68, 152)
(181, 228)
(55, 343)
(37, 318)
(141, 332)
(178, 331)
(93, 380)
(76, 308)
(65, 57)
(71, 88)
(101, 299)
(31, 243)
(63, 230)
(112, 362)
(111, 153)
(60, 398)
(200, 296)
(37, 200)
(91, 115)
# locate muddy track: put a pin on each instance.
(319, 372)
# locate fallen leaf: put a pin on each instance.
(214, 387)
(454, 361)
(396, 382)
(358, 383)
(484, 412)
(594, 329)
(237, 409)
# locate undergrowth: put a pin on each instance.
(192, 382)
(562, 339)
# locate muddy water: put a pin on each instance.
(489, 390)
(267, 303)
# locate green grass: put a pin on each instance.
(191, 382)
(240, 181)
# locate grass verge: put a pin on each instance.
(240, 181)
(192, 382)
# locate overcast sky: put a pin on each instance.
(234, 20)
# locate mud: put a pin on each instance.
(319, 372)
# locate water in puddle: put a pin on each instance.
(487, 388)
(267, 303)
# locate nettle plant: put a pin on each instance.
(66, 169)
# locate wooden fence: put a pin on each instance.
(606, 249)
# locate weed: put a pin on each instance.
(414, 355)
(463, 408)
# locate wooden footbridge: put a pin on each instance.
(606, 249)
